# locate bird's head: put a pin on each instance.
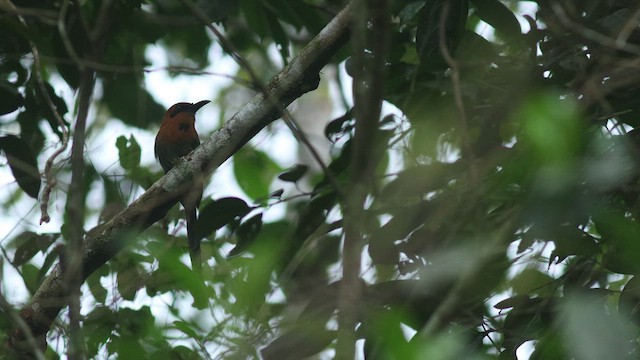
(184, 107)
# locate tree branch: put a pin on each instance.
(105, 241)
(75, 215)
(369, 45)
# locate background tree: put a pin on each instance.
(477, 198)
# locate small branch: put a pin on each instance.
(75, 214)
(457, 93)
(371, 20)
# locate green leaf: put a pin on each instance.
(173, 274)
(30, 277)
(185, 328)
(620, 234)
(129, 152)
(23, 164)
(49, 260)
(294, 173)
(532, 281)
(219, 213)
(10, 98)
(99, 325)
(97, 290)
(254, 171)
(552, 129)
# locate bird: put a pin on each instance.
(176, 138)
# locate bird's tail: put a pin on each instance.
(194, 242)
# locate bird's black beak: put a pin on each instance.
(195, 107)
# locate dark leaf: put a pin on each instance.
(218, 10)
(256, 16)
(620, 234)
(22, 163)
(337, 127)
(128, 101)
(382, 250)
(314, 214)
(51, 258)
(129, 282)
(11, 67)
(428, 31)
(513, 301)
(10, 98)
(276, 194)
(29, 243)
(246, 234)
(219, 213)
(570, 240)
(298, 343)
(498, 15)
(629, 303)
(413, 183)
(294, 173)
(278, 35)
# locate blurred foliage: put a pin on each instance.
(508, 217)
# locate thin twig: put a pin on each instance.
(73, 269)
(75, 212)
(457, 93)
